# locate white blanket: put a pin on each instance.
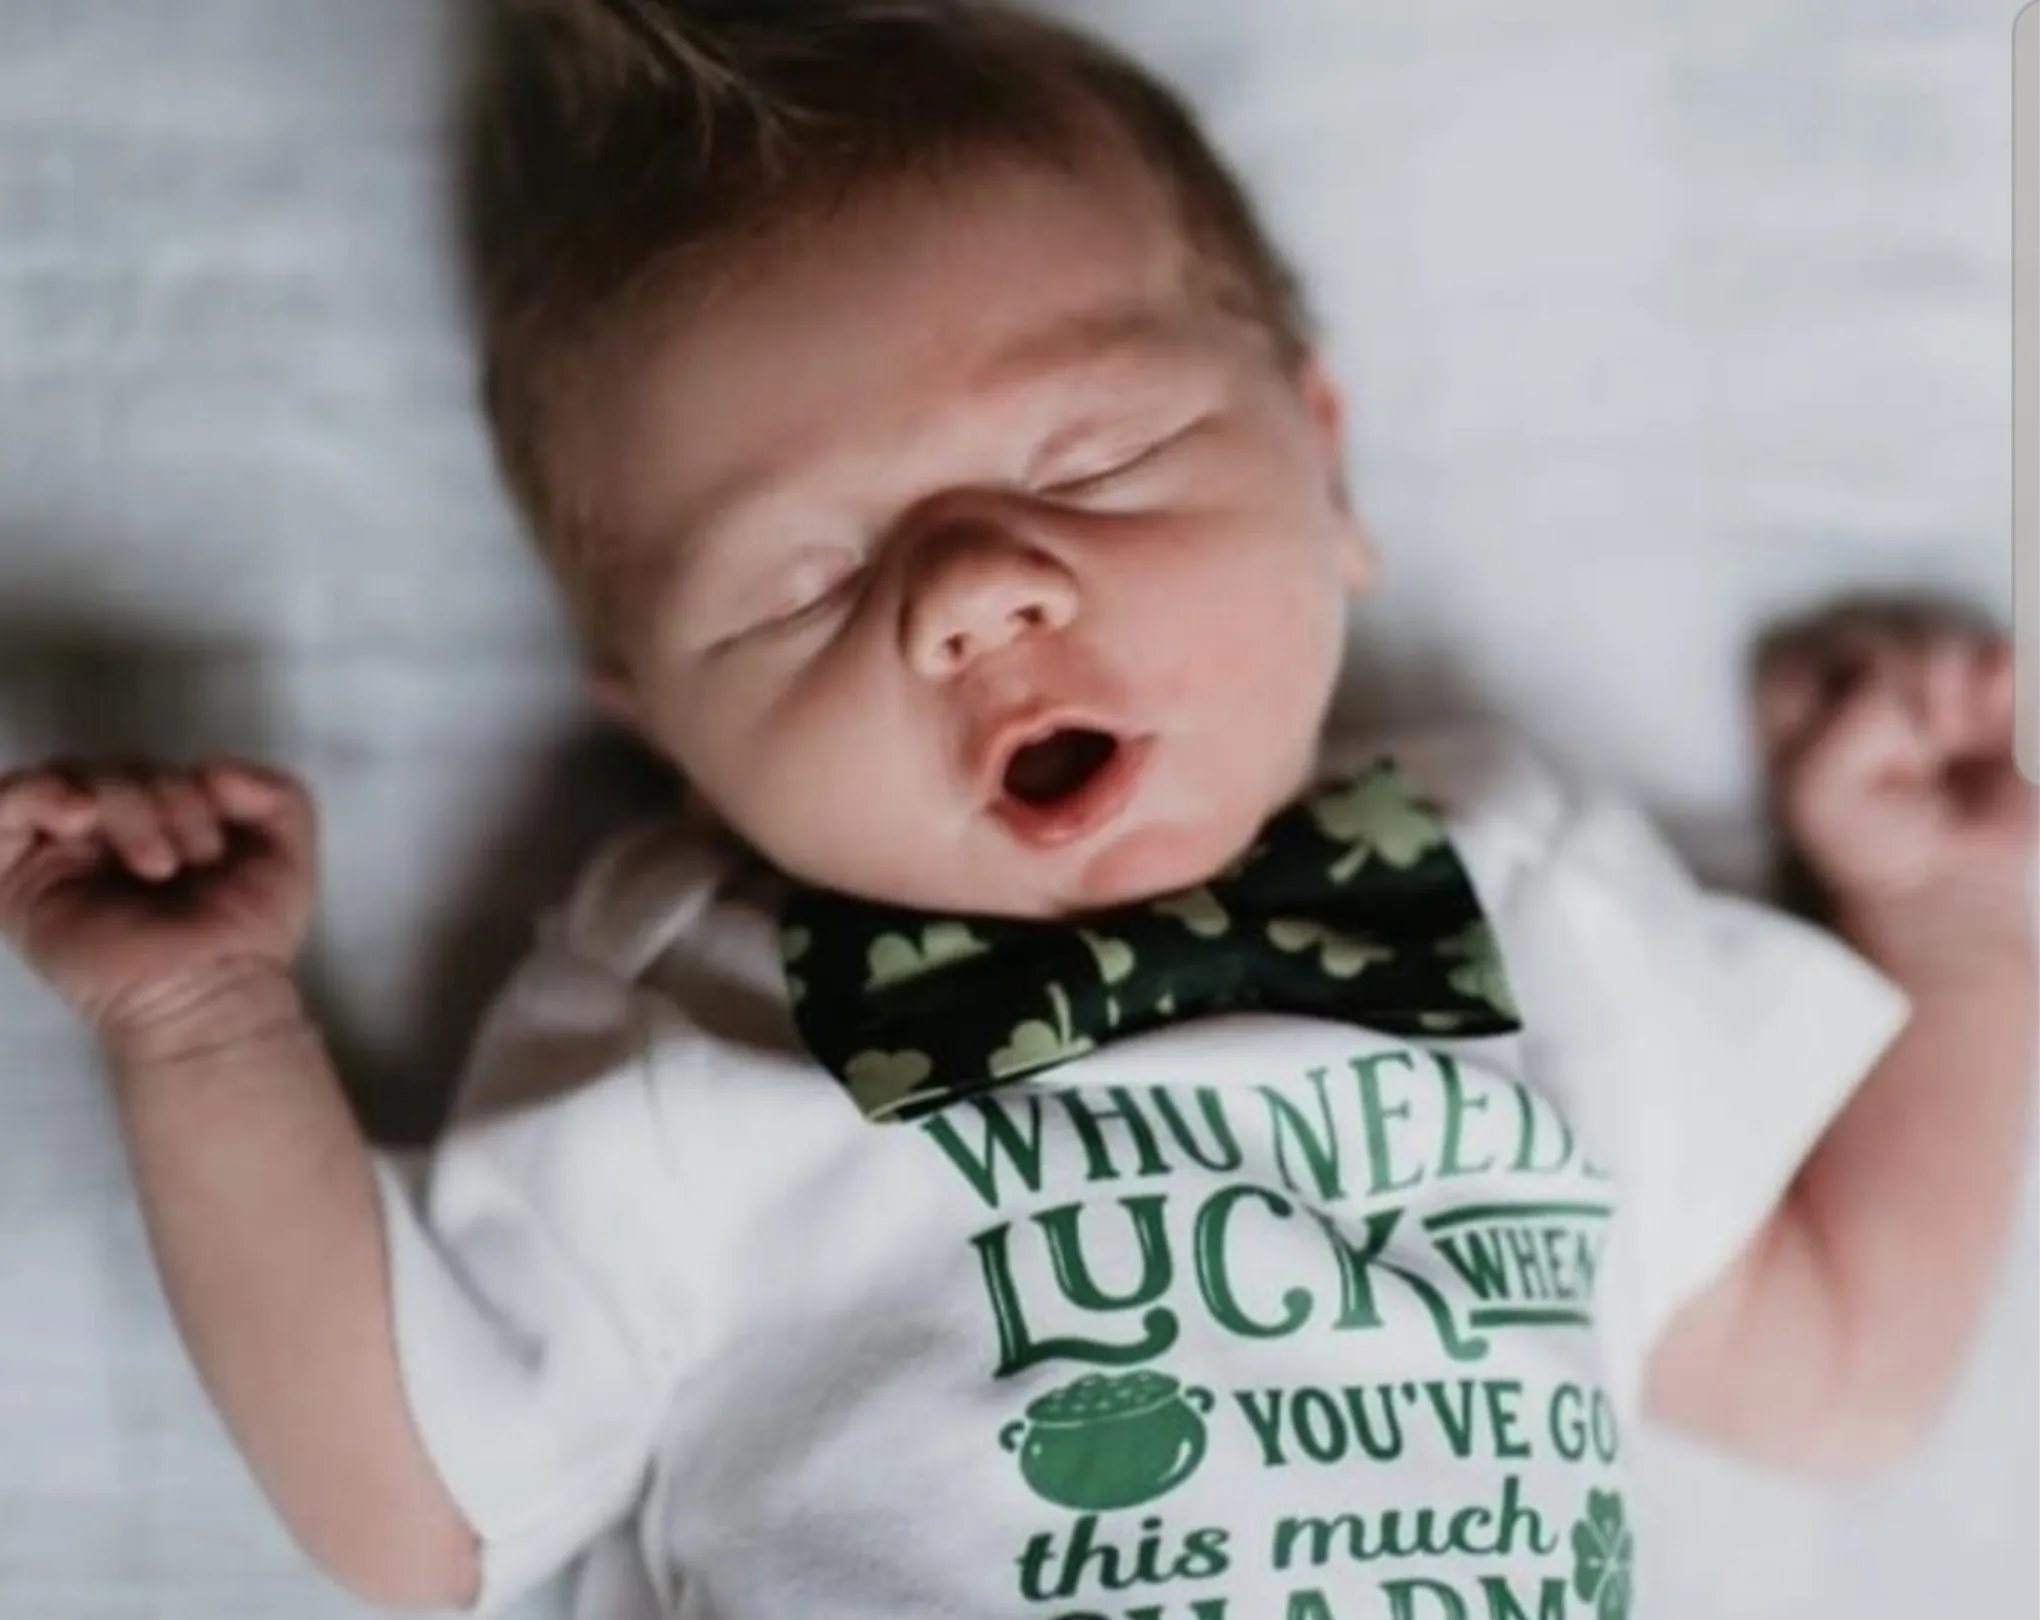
(1659, 321)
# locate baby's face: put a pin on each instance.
(990, 565)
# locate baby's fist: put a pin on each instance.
(124, 888)
(1889, 733)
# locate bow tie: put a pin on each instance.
(1350, 905)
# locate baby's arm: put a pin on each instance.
(167, 909)
(1832, 1344)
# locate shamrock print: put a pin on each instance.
(1234, 872)
(1116, 962)
(1115, 956)
(1374, 816)
(884, 1081)
(1350, 905)
(1603, 1551)
(1197, 910)
(1036, 1045)
(1480, 974)
(894, 959)
(1339, 955)
(794, 943)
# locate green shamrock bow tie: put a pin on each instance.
(1351, 905)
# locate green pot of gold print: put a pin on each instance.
(1104, 1443)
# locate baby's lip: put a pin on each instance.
(1107, 792)
(992, 755)
(1070, 818)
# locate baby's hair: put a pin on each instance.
(624, 144)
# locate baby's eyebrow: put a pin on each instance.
(1113, 334)
(1117, 332)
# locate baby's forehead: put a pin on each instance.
(909, 307)
(990, 240)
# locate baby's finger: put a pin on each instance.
(189, 819)
(134, 826)
(36, 803)
(1788, 701)
(251, 796)
(1946, 675)
(1872, 743)
(243, 792)
(1846, 680)
(1996, 696)
(47, 798)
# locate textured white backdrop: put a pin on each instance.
(1659, 319)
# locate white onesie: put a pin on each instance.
(1254, 1318)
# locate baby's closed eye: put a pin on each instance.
(793, 590)
(1096, 468)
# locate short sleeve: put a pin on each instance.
(1704, 1040)
(534, 1314)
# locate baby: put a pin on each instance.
(1044, 1129)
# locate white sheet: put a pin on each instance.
(1658, 320)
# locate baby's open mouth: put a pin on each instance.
(1067, 785)
(1056, 769)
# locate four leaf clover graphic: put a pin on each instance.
(1603, 1551)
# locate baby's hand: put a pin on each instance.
(132, 889)
(1889, 735)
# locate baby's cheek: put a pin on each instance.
(855, 782)
(1248, 652)
(1284, 636)
(1162, 856)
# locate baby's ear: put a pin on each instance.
(613, 696)
(1327, 408)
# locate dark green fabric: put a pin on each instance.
(1351, 905)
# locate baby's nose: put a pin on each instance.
(979, 597)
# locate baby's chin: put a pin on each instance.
(1148, 862)
(1142, 864)
(1151, 852)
